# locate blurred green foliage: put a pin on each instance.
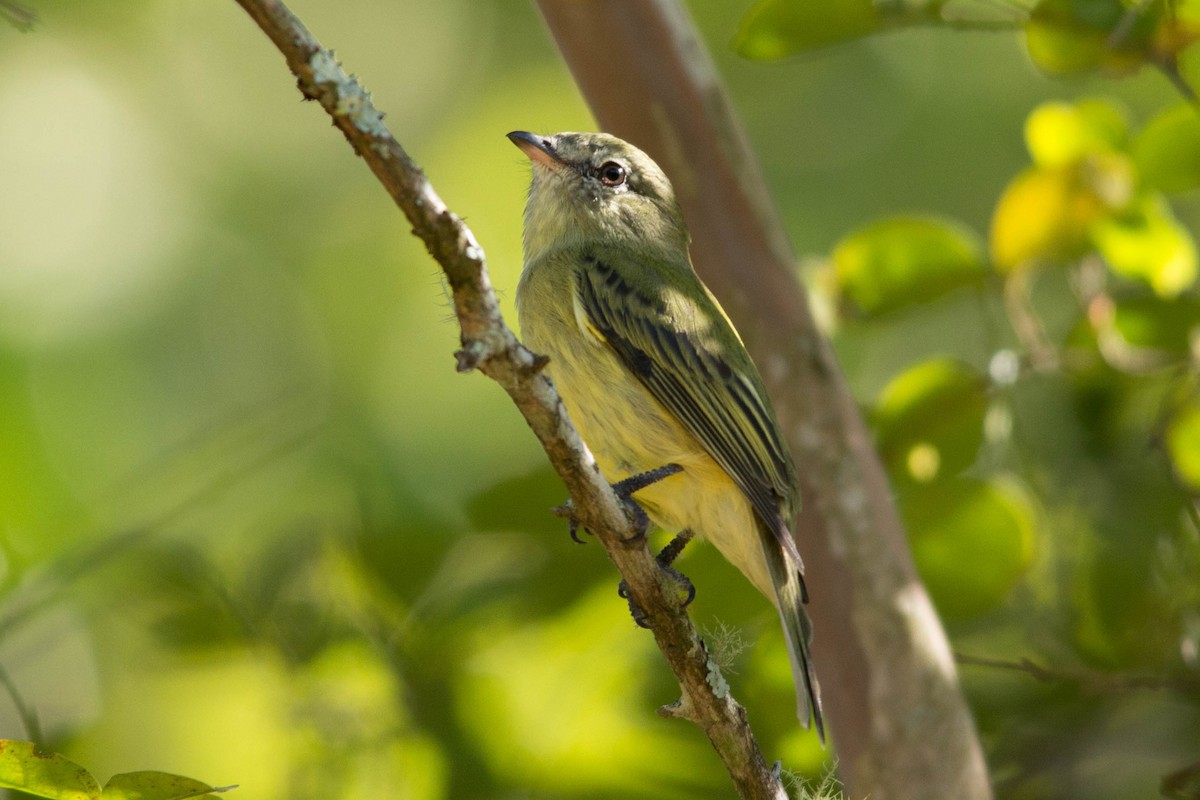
(901, 260)
(1044, 449)
(256, 528)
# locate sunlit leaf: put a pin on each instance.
(1177, 32)
(971, 541)
(1187, 11)
(929, 420)
(1147, 243)
(1043, 216)
(903, 260)
(774, 29)
(157, 786)
(24, 767)
(1167, 150)
(1183, 444)
(1058, 134)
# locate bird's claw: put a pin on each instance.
(639, 615)
(567, 511)
(687, 584)
(664, 559)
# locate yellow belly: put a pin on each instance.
(629, 432)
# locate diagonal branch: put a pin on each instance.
(490, 346)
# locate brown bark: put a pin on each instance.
(901, 725)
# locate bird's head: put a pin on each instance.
(593, 188)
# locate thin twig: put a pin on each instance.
(28, 716)
(1090, 681)
(490, 346)
(20, 17)
(1182, 784)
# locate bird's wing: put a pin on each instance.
(718, 397)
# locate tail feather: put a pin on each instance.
(791, 595)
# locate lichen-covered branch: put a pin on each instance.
(489, 346)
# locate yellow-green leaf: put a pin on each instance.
(50, 775)
(1060, 43)
(774, 29)
(1059, 134)
(902, 260)
(929, 420)
(151, 785)
(1167, 325)
(1167, 150)
(1183, 445)
(1147, 243)
(1065, 37)
(972, 542)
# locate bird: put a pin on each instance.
(653, 373)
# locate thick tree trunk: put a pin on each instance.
(899, 720)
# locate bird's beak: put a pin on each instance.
(540, 149)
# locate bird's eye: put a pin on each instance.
(611, 173)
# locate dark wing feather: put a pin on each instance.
(721, 403)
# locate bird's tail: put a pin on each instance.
(791, 595)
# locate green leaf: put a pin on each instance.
(1158, 323)
(929, 420)
(1065, 37)
(23, 767)
(1183, 445)
(1167, 150)
(903, 260)
(972, 542)
(1147, 243)
(774, 29)
(157, 786)
(1060, 44)
(1133, 575)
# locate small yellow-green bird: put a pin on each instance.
(651, 370)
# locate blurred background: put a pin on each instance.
(256, 529)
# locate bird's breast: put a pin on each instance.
(628, 430)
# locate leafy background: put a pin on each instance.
(257, 530)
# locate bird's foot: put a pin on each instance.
(665, 558)
(624, 490)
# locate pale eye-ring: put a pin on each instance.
(611, 173)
